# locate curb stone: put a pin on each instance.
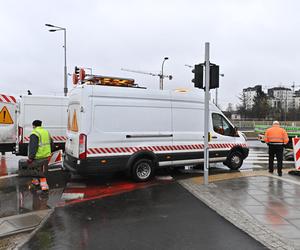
(43, 221)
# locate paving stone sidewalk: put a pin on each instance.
(266, 207)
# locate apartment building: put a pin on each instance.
(281, 97)
(249, 95)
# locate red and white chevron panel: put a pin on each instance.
(59, 138)
(7, 98)
(160, 149)
(54, 138)
(296, 147)
(55, 158)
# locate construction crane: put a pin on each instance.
(149, 73)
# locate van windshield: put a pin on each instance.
(221, 125)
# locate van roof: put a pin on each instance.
(192, 95)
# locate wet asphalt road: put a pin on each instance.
(157, 217)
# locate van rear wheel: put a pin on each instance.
(234, 160)
(142, 170)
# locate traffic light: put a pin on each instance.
(198, 76)
(77, 70)
(214, 76)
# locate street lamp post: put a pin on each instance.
(57, 28)
(161, 82)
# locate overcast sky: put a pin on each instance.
(253, 41)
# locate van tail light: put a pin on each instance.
(20, 134)
(82, 146)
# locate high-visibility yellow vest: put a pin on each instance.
(44, 149)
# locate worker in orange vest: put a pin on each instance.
(276, 137)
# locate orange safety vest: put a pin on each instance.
(276, 135)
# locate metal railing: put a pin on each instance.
(249, 125)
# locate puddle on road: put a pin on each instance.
(17, 198)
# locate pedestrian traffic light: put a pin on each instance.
(198, 76)
(214, 76)
(77, 69)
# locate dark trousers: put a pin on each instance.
(40, 166)
(277, 150)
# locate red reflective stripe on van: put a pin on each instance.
(112, 149)
(160, 148)
(92, 150)
(118, 150)
(98, 150)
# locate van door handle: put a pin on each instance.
(214, 137)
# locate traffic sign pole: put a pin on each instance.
(206, 115)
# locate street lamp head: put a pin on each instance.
(166, 58)
(52, 30)
(49, 25)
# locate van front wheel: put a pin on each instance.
(234, 160)
(142, 170)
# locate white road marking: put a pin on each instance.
(72, 196)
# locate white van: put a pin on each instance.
(8, 127)
(51, 110)
(130, 128)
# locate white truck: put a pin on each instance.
(113, 128)
(51, 110)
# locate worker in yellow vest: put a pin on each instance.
(39, 151)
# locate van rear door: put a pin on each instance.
(72, 144)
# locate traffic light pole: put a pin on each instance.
(206, 115)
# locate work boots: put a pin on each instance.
(44, 184)
(39, 184)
